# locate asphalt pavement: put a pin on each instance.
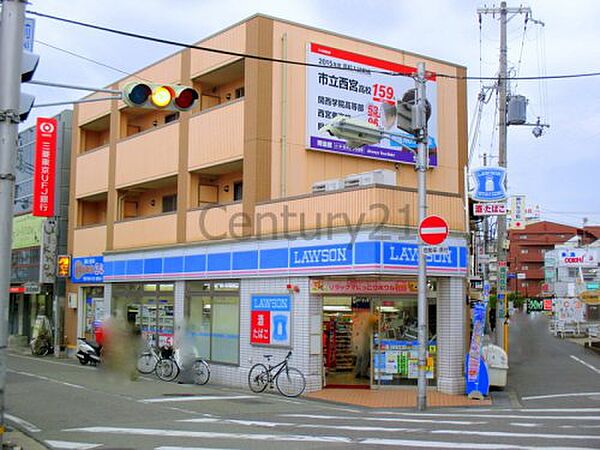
(67, 406)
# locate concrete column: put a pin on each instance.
(451, 329)
(108, 306)
(179, 313)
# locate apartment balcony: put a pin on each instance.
(92, 172)
(368, 206)
(89, 240)
(213, 223)
(145, 231)
(148, 155)
(216, 135)
(536, 274)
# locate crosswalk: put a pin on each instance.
(536, 428)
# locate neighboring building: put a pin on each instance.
(34, 288)
(572, 273)
(526, 254)
(240, 225)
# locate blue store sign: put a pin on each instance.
(489, 184)
(87, 270)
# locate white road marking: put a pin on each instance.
(472, 445)
(526, 410)
(211, 435)
(22, 422)
(258, 423)
(488, 416)
(193, 448)
(517, 435)
(523, 424)
(573, 394)
(71, 445)
(47, 361)
(586, 364)
(41, 377)
(193, 398)
(384, 419)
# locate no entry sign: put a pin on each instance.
(433, 230)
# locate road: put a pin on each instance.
(553, 401)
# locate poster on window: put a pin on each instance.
(270, 320)
(333, 90)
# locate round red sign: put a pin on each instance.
(433, 230)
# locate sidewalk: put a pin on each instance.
(17, 440)
(393, 398)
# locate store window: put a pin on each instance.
(213, 313)
(147, 307)
(93, 309)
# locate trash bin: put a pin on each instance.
(497, 363)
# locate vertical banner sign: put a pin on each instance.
(476, 381)
(270, 319)
(517, 213)
(342, 83)
(45, 167)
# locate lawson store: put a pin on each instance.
(346, 307)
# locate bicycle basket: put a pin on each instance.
(166, 351)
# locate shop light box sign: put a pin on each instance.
(270, 320)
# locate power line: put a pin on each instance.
(292, 62)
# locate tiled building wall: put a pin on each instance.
(451, 326)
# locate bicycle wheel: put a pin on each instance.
(290, 382)
(258, 378)
(167, 369)
(200, 372)
(146, 363)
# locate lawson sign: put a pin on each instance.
(489, 184)
(340, 258)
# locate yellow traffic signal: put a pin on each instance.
(159, 96)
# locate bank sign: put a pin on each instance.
(87, 270)
(343, 83)
(270, 319)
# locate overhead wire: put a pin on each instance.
(292, 62)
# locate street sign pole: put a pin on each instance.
(11, 49)
(422, 160)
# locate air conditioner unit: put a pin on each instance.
(379, 176)
(327, 185)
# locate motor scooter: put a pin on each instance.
(88, 352)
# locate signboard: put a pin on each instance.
(28, 34)
(401, 359)
(521, 276)
(88, 270)
(474, 356)
(433, 230)
(517, 213)
(578, 257)
(27, 231)
(489, 209)
(535, 305)
(333, 91)
(436, 250)
(489, 184)
(48, 251)
(45, 167)
(590, 297)
(592, 286)
(569, 309)
(16, 289)
(32, 288)
(548, 304)
(502, 271)
(63, 266)
(270, 319)
(381, 287)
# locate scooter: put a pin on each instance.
(88, 352)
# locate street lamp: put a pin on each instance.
(410, 116)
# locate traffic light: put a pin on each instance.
(166, 97)
(29, 63)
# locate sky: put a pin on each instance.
(560, 171)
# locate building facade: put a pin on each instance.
(240, 230)
(37, 241)
(526, 254)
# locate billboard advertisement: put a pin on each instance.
(342, 83)
(578, 257)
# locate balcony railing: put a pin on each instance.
(214, 223)
(145, 231)
(92, 172)
(89, 240)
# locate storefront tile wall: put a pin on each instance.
(107, 300)
(451, 325)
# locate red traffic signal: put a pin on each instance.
(159, 96)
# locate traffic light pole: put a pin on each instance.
(422, 310)
(11, 49)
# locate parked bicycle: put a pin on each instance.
(163, 362)
(289, 381)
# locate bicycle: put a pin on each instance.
(289, 381)
(162, 361)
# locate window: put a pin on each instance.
(573, 272)
(238, 188)
(524, 251)
(522, 236)
(213, 312)
(171, 117)
(239, 92)
(169, 203)
(524, 267)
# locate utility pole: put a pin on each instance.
(422, 162)
(11, 49)
(502, 300)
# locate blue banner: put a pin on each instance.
(87, 270)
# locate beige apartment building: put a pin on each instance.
(239, 228)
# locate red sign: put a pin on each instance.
(45, 167)
(260, 327)
(16, 289)
(489, 209)
(433, 230)
(547, 305)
